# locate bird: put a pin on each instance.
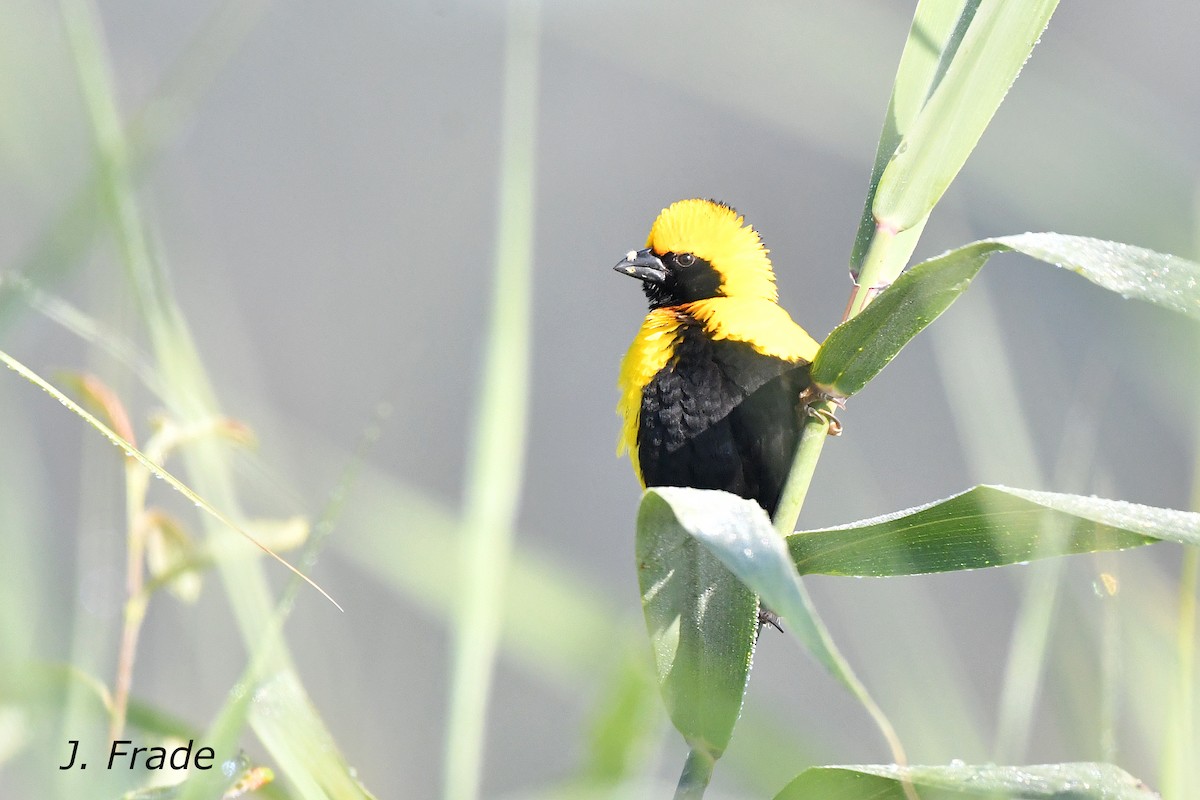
(714, 387)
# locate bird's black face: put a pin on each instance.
(672, 278)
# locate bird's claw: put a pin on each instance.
(812, 400)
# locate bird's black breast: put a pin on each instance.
(721, 415)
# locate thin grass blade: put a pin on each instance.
(189, 395)
(497, 459)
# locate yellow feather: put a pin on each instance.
(649, 353)
(762, 324)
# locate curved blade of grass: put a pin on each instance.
(998, 39)
(266, 692)
(137, 455)
(859, 348)
(738, 534)
(986, 526)
(960, 782)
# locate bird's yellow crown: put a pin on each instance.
(718, 234)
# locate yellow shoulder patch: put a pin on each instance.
(762, 324)
(649, 353)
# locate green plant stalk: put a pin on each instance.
(136, 484)
(879, 268)
(697, 772)
(1026, 661)
(222, 734)
(1111, 655)
(934, 37)
(318, 770)
(59, 247)
(133, 617)
(496, 463)
(138, 594)
(878, 263)
(984, 369)
(795, 489)
(1179, 777)
(1178, 770)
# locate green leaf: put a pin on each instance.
(936, 33)
(959, 62)
(987, 526)
(702, 623)
(958, 782)
(738, 533)
(999, 37)
(1132, 272)
(858, 349)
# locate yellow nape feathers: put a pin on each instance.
(717, 234)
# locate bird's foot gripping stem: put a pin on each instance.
(816, 403)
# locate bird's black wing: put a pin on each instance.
(721, 415)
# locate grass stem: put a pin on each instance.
(697, 772)
(496, 462)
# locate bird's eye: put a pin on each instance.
(685, 259)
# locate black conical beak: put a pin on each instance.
(643, 265)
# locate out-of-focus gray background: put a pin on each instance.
(326, 208)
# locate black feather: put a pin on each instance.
(721, 415)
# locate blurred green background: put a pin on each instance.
(320, 184)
